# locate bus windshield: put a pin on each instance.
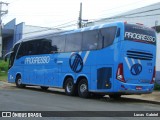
(139, 33)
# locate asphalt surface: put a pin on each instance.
(35, 99)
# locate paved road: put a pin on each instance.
(34, 99)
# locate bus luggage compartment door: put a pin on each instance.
(104, 77)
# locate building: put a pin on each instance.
(12, 32)
(148, 16)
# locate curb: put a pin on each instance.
(2, 82)
(143, 100)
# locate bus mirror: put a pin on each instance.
(5, 57)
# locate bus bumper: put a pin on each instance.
(135, 88)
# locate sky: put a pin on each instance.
(59, 13)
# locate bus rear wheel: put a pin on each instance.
(44, 88)
(19, 82)
(70, 87)
(83, 88)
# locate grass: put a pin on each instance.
(3, 70)
(3, 76)
(156, 86)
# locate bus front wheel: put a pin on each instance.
(70, 87)
(19, 82)
(83, 88)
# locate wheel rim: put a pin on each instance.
(19, 81)
(83, 88)
(69, 86)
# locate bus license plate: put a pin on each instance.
(138, 87)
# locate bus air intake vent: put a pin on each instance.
(139, 55)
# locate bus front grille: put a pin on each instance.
(139, 55)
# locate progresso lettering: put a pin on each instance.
(37, 60)
(136, 36)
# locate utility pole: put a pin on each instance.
(80, 17)
(2, 12)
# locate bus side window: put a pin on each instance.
(47, 48)
(43, 46)
(90, 40)
(58, 43)
(22, 50)
(109, 35)
(54, 49)
(73, 42)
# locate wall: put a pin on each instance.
(18, 32)
(30, 30)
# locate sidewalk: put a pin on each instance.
(154, 97)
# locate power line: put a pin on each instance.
(117, 8)
(48, 29)
(75, 24)
(120, 16)
(65, 25)
(71, 23)
(143, 16)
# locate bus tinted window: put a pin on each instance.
(35, 47)
(22, 50)
(90, 40)
(73, 42)
(44, 46)
(107, 35)
(13, 54)
(139, 34)
(31, 48)
(58, 43)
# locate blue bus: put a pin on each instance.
(110, 59)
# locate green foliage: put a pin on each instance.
(156, 86)
(3, 76)
(3, 66)
(3, 70)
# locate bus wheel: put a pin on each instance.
(19, 82)
(44, 88)
(115, 96)
(69, 87)
(83, 89)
